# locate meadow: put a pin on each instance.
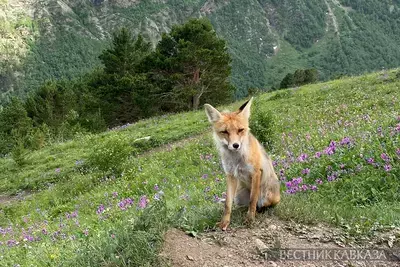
(107, 199)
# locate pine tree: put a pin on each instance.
(195, 63)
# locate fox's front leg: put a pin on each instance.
(254, 195)
(231, 185)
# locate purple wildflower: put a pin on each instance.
(12, 243)
(317, 154)
(305, 171)
(318, 181)
(314, 188)
(388, 167)
(302, 158)
(204, 176)
(143, 201)
(207, 189)
(398, 128)
(304, 187)
(3, 231)
(86, 232)
(385, 157)
(331, 149)
(345, 141)
(114, 194)
(156, 187)
(330, 178)
(370, 160)
(292, 190)
(125, 203)
(100, 209)
(28, 237)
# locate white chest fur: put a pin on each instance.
(235, 164)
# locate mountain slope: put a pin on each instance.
(105, 199)
(267, 38)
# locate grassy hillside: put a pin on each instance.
(267, 39)
(105, 200)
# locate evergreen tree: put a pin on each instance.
(125, 53)
(310, 76)
(288, 81)
(299, 77)
(116, 86)
(194, 64)
(15, 125)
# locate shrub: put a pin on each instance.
(261, 125)
(18, 153)
(109, 155)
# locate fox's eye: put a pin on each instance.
(240, 130)
(224, 132)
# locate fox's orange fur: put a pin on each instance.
(251, 178)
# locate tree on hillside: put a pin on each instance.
(14, 125)
(287, 81)
(299, 77)
(125, 53)
(310, 76)
(118, 86)
(51, 104)
(193, 64)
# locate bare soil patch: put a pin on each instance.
(246, 246)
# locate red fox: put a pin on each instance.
(251, 178)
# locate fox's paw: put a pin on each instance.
(250, 218)
(223, 225)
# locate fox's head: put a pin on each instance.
(230, 129)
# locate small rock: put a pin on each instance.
(261, 247)
(315, 236)
(190, 258)
(272, 264)
(391, 240)
(272, 227)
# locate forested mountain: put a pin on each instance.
(267, 39)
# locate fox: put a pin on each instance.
(250, 176)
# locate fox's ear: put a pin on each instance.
(245, 108)
(212, 114)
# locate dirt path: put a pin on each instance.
(247, 247)
(172, 145)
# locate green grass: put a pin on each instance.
(179, 186)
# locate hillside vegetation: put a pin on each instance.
(267, 39)
(106, 199)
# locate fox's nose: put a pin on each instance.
(235, 145)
